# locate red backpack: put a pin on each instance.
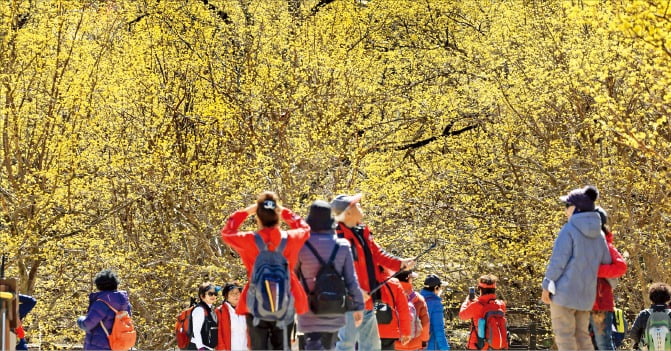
(123, 335)
(495, 327)
(183, 328)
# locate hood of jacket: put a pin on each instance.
(587, 223)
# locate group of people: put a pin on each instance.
(379, 310)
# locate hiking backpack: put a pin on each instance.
(123, 335)
(657, 336)
(492, 328)
(183, 330)
(416, 324)
(269, 296)
(329, 295)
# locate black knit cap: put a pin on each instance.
(106, 280)
(583, 198)
(320, 218)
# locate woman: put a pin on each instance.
(99, 314)
(432, 292)
(601, 318)
(232, 326)
(267, 335)
(204, 320)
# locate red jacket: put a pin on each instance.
(244, 244)
(394, 296)
(423, 313)
(474, 310)
(224, 325)
(380, 257)
(604, 291)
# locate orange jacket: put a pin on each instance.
(379, 256)
(400, 325)
(423, 313)
(474, 310)
(245, 245)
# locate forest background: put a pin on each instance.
(131, 129)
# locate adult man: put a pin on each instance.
(367, 257)
(569, 286)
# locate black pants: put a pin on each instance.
(318, 341)
(388, 344)
(267, 335)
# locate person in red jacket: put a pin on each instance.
(367, 256)
(406, 278)
(400, 327)
(232, 326)
(267, 335)
(601, 318)
(474, 308)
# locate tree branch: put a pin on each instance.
(446, 132)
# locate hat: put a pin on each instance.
(583, 198)
(320, 216)
(432, 280)
(603, 214)
(228, 287)
(342, 202)
(405, 275)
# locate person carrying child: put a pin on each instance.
(483, 311)
(654, 320)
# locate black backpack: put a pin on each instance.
(329, 295)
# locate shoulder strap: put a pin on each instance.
(315, 253)
(334, 253)
(101, 322)
(108, 305)
(260, 244)
(412, 297)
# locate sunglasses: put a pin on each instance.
(211, 293)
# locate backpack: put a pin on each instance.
(329, 295)
(183, 330)
(123, 335)
(492, 328)
(268, 296)
(657, 336)
(619, 328)
(416, 321)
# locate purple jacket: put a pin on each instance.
(96, 339)
(309, 266)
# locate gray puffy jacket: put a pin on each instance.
(578, 251)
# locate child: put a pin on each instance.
(659, 294)
(474, 308)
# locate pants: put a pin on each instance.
(571, 328)
(388, 344)
(602, 327)
(320, 341)
(366, 334)
(267, 335)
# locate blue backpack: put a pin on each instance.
(269, 295)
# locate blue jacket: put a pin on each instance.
(578, 251)
(309, 265)
(437, 337)
(96, 339)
